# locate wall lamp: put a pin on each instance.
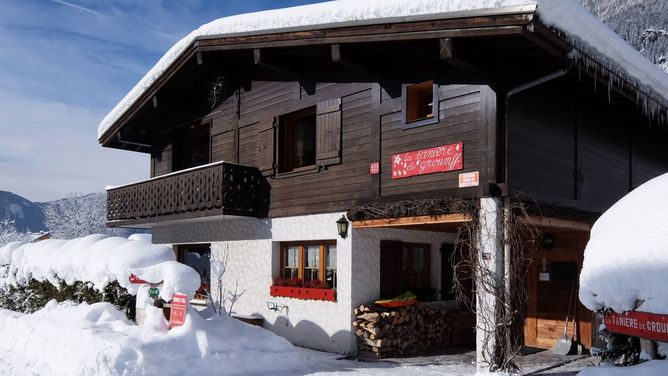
(342, 226)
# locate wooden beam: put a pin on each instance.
(558, 223)
(447, 55)
(259, 59)
(337, 57)
(412, 221)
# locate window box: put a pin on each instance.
(303, 293)
(285, 291)
(318, 294)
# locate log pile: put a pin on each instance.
(389, 332)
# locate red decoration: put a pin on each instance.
(303, 293)
(374, 168)
(428, 161)
(318, 294)
(177, 313)
(638, 324)
(136, 280)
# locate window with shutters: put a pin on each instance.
(302, 141)
(297, 140)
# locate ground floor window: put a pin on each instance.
(198, 257)
(309, 264)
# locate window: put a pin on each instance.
(405, 267)
(198, 256)
(296, 136)
(313, 263)
(420, 103)
(192, 149)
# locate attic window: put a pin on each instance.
(421, 103)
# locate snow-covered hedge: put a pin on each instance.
(91, 269)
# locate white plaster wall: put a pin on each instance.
(252, 246)
(253, 264)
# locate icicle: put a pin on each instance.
(609, 88)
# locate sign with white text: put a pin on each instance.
(469, 179)
(177, 314)
(638, 324)
(428, 161)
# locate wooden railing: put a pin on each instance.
(213, 189)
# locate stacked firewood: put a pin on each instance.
(387, 332)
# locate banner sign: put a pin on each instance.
(428, 161)
(177, 314)
(638, 324)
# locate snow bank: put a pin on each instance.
(99, 259)
(97, 339)
(176, 277)
(651, 368)
(626, 259)
(566, 15)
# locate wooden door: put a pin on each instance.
(548, 301)
(391, 273)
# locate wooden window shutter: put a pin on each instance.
(328, 132)
(266, 147)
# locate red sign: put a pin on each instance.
(177, 314)
(638, 324)
(138, 281)
(428, 161)
(374, 168)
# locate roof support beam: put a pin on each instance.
(260, 60)
(337, 57)
(447, 55)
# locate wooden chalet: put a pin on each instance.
(260, 140)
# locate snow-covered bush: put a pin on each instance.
(626, 261)
(91, 269)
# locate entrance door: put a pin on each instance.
(553, 274)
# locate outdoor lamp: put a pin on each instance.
(342, 226)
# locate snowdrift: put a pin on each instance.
(626, 260)
(97, 339)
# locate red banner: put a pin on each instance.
(638, 324)
(177, 313)
(428, 161)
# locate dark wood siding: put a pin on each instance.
(459, 122)
(161, 161)
(359, 123)
(563, 153)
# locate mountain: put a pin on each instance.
(67, 218)
(642, 23)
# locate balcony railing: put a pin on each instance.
(213, 189)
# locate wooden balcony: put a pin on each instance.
(220, 188)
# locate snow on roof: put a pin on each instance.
(585, 30)
(626, 259)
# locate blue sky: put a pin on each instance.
(64, 65)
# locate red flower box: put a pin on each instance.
(318, 294)
(303, 293)
(284, 291)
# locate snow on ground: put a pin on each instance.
(97, 339)
(626, 259)
(99, 259)
(651, 368)
(566, 15)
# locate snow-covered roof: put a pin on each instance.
(626, 258)
(585, 31)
